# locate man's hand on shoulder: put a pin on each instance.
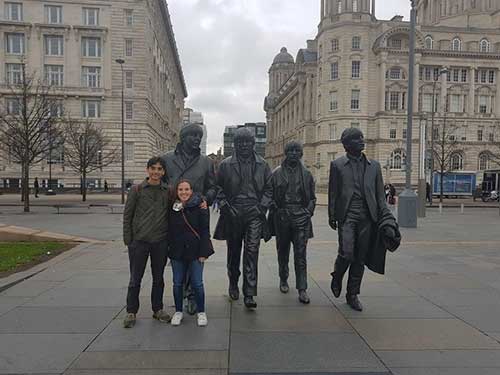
(333, 224)
(203, 204)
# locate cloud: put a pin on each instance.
(227, 46)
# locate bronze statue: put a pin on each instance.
(186, 162)
(244, 198)
(294, 201)
(357, 208)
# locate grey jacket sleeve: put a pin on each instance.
(128, 216)
(333, 192)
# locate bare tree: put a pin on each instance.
(87, 149)
(29, 126)
(445, 147)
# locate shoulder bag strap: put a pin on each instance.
(189, 225)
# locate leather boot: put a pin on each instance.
(340, 269)
(303, 297)
(284, 288)
(249, 302)
(354, 302)
(234, 292)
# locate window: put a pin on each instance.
(128, 47)
(14, 11)
(483, 104)
(129, 80)
(429, 42)
(14, 43)
(480, 135)
(463, 78)
(396, 160)
(394, 103)
(457, 162)
(455, 103)
(395, 74)
(319, 104)
(129, 17)
(484, 46)
(392, 133)
(91, 108)
(53, 14)
(356, 42)
(128, 150)
(339, 6)
(56, 108)
(318, 133)
(427, 103)
(484, 161)
(491, 137)
(334, 71)
(456, 44)
(318, 160)
(334, 105)
(355, 100)
(54, 75)
(331, 156)
(13, 106)
(91, 47)
(56, 154)
(491, 76)
(404, 133)
(355, 125)
(91, 76)
(129, 110)
(333, 131)
(335, 45)
(91, 16)
(14, 74)
(354, 5)
(396, 43)
(54, 45)
(356, 69)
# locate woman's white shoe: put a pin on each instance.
(202, 319)
(177, 318)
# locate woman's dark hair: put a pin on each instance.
(173, 191)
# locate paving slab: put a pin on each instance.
(9, 303)
(440, 358)
(484, 318)
(79, 297)
(271, 296)
(292, 319)
(56, 320)
(151, 360)
(463, 297)
(48, 353)
(288, 352)
(148, 372)
(29, 288)
(390, 307)
(373, 289)
(149, 334)
(445, 371)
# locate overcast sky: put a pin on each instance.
(227, 46)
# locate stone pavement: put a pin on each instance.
(435, 312)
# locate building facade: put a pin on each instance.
(73, 45)
(192, 117)
(258, 129)
(355, 74)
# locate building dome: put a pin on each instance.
(283, 57)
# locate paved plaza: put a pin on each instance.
(434, 313)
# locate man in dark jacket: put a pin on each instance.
(294, 201)
(244, 196)
(186, 162)
(356, 202)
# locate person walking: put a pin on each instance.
(189, 248)
(36, 185)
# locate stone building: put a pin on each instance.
(355, 74)
(74, 44)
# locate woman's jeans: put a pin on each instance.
(180, 269)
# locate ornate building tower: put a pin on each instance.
(453, 12)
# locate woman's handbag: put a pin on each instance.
(210, 245)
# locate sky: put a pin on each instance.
(227, 46)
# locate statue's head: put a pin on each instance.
(244, 142)
(191, 136)
(353, 141)
(293, 152)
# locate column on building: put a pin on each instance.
(472, 91)
(444, 89)
(328, 7)
(322, 9)
(301, 100)
(383, 69)
(497, 94)
(308, 99)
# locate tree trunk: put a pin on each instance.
(26, 188)
(84, 187)
(441, 186)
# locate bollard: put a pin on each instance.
(462, 208)
(440, 208)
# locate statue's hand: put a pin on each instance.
(333, 224)
(389, 232)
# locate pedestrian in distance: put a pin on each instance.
(36, 186)
(145, 228)
(189, 248)
(106, 188)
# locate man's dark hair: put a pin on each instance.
(349, 134)
(243, 134)
(189, 129)
(155, 160)
(293, 144)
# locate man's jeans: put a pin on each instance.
(179, 269)
(138, 253)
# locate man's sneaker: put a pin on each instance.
(129, 320)
(202, 319)
(162, 316)
(177, 319)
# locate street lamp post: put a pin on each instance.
(121, 62)
(407, 207)
(422, 187)
(433, 112)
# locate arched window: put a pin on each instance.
(457, 162)
(456, 44)
(397, 159)
(429, 42)
(484, 161)
(354, 5)
(484, 45)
